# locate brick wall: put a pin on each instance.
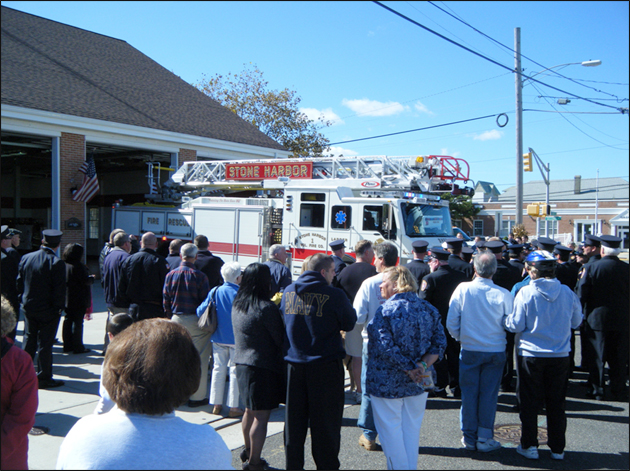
(186, 155)
(72, 156)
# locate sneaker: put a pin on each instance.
(530, 453)
(489, 445)
(467, 445)
(357, 396)
(557, 456)
(369, 445)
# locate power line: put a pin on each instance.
(522, 55)
(418, 129)
(484, 57)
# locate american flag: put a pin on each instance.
(90, 181)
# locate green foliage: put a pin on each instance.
(461, 207)
(275, 112)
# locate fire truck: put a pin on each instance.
(304, 204)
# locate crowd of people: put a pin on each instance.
(458, 322)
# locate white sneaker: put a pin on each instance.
(489, 445)
(530, 453)
(467, 445)
(557, 456)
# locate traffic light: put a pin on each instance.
(533, 210)
(546, 209)
(527, 162)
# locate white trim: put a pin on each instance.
(51, 124)
(586, 205)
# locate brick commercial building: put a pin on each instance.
(68, 94)
(584, 205)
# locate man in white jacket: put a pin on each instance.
(544, 313)
(475, 319)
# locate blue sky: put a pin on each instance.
(374, 73)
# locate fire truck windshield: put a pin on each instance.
(426, 220)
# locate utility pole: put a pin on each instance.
(519, 126)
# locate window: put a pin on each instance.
(313, 197)
(426, 220)
(478, 227)
(93, 223)
(506, 227)
(375, 219)
(312, 215)
(341, 217)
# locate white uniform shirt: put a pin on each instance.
(367, 301)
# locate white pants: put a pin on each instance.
(223, 358)
(398, 423)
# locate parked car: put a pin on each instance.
(467, 239)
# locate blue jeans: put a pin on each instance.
(480, 376)
(366, 416)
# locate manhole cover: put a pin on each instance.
(512, 433)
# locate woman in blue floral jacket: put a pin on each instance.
(405, 338)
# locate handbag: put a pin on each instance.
(209, 320)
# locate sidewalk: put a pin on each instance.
(597, 432)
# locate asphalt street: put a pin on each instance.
(597, 432)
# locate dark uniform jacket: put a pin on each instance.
(41, 283)
(437, 288)
(351, 277)
(603, 291)
(79, 287)
(9, 267)
(455, 262)
(567, 274)
(211, 266)
(419, 269)
(142, 277)
(520, 266)
(506, 275)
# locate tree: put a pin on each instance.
(461, 207)
(275, 112)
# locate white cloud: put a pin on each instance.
(365, 107)
(445, 151)
(327, 114)
(488, 135)
(336, 151)
(423, 109)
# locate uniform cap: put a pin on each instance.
(495, 246)
(561, 248)
(546, 243)
(454, 243)
(52, 236)
(13, 232)
(515, 249)
(611, 241)
(337, 244)
(480, 243)
(440, 253)
(420, 246)
(592, 241)
(4, 234)
(468, 250)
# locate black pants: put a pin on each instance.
(72, 331)
(447, 369)
(39, 337)
(314, 398)
(508, 371)
(609, 346)
(543, 381)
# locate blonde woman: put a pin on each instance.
(404, 339)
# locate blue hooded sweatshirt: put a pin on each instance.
(314, 314)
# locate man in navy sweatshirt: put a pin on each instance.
(314, 314)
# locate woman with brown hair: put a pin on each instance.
(150, 368)
(259, 337)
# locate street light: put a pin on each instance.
(519, 116)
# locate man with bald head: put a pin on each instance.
(142, 280)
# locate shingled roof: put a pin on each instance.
(54, 67)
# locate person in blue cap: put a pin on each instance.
(418, 267)
(41, 285)
(544, 313)
(603, 291)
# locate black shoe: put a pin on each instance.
(85, 350)
(50, 383)
(199, 403)
(244, 455)
(456, 392)
(262, 464)
(439, 392)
